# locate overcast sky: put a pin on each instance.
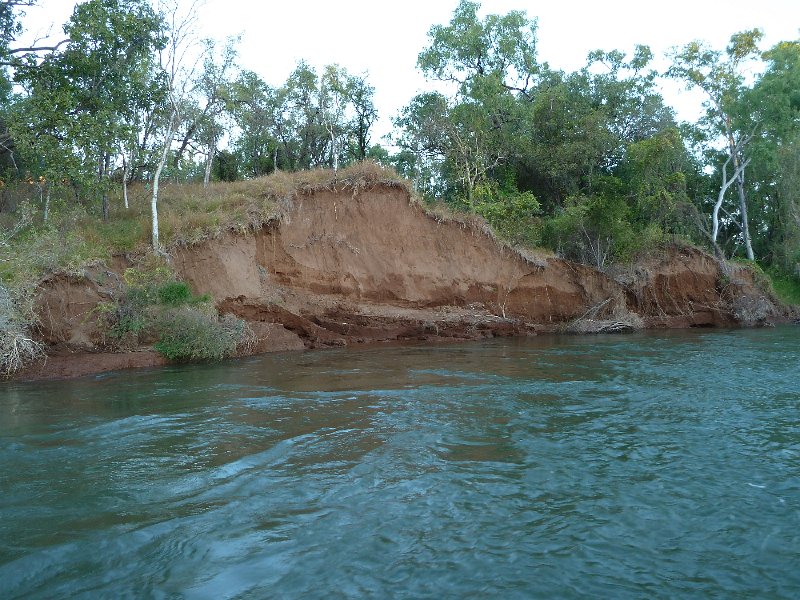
(384, 38)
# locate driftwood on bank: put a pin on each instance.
(620, 321)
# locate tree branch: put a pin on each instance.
(38, 48)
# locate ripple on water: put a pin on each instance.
(653, 465)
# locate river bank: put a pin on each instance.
(370, 265)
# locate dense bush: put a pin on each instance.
(189, 333)
(185, 327)
(174, 293)
(511, 213)
(786, 287)
(594, 230)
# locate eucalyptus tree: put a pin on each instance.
(361, 97)
(256, 112)
(178, 67)
(624, 92)
(305, 137)
(206, 102)
(333, 84)
(455, 138)
(721, 77)
(467, 49)
(82, 99)
(492, 66)
(772, 104)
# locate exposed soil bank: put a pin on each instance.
(371, 266)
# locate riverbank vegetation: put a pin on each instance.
(114, 140)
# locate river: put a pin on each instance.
(654, 465)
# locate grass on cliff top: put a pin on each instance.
(190, 213)
(75, 236)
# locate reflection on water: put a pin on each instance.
(661, 465)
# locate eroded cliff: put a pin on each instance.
(370, 265)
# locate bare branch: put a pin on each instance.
(34, 49)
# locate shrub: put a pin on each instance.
(598, 230)
(510, 213)
(189, 333)
(185, 327)
(17, 350)
(174, 293)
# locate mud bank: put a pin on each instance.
(371, 266)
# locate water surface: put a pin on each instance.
(655, 465)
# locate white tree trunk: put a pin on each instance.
(47, 204)
(157, 176)
(748, 244)
(726, 183)
(335, 143)
(125, 175)
(211, 150)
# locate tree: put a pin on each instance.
(772, 105)
(720, 76)
(311, 120)
(501, 46)
(173, 61)
(206, 103)
(332, 105)
(82, 100)
(360, 96)
(256, 112)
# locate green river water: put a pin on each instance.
(655, 465)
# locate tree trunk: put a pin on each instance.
(726, 183)
(104, 164)
(734, 150)
(207, 176)
(125, 174)
(47, 204)
(157, 177)
(748, 244)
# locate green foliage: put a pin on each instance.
(786, 287)
(312, 120)
(174, 293)
(598, 230)
(159, 308)
(86, 99)
(467, 49)
(511, 213)
(226, 167)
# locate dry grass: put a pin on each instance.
(191, 213)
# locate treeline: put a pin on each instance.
(591, 163)
(131, 95)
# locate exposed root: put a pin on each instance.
(619, 320)
(17, 351)
(603, 326)
(752, 310)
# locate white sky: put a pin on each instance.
(384, 38)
